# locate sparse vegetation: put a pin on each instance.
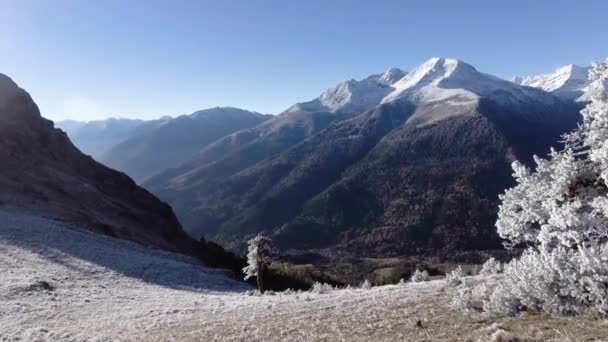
(321, 288)
(420, 276)
(491, 266)
(454, 278)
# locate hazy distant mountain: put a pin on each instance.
(418, 169)
(96, 137)
(43, 172)
(568, 82)
(165, 145)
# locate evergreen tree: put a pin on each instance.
(259, 257)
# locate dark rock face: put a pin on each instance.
(398, 180)
(42, 171)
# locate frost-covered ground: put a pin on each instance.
(103, 289)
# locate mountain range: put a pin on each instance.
(144, 148)
(398, 163)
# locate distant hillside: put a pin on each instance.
(167, 144)
(96, 137)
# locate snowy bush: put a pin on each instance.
(469, 299)
(454, 278)
(420, 276)
(502, 335)
(491, 266)
(254, 292)
(322, 288)
(560, 210)
(366, 285)
(289, 292)
(558, 281)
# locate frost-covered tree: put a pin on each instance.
(259, 257)
(560, 211)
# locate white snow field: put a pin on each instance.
(59, 283)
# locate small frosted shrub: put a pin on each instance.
(254, 292)
(420, 276)
(469, 299)
(321, 288)
(289, 292)
(560, 281)
(491, 266)
(501, 301)
(502, 335)
(454, 278)
(366, 285)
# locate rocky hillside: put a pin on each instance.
(43, 172)
(419, 172)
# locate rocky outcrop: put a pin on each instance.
(42, 171)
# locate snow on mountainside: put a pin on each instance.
(442, 78)
(568, 82)
(354, 96)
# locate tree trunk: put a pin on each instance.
(260, 278)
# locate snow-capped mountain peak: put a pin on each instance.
(354, 96)
(391, 76)
(430, 72)
(569, 81)
(441, 78)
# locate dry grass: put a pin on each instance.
(388, 313)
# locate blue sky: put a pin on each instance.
(95, 59)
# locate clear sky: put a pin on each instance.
(85, 59)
